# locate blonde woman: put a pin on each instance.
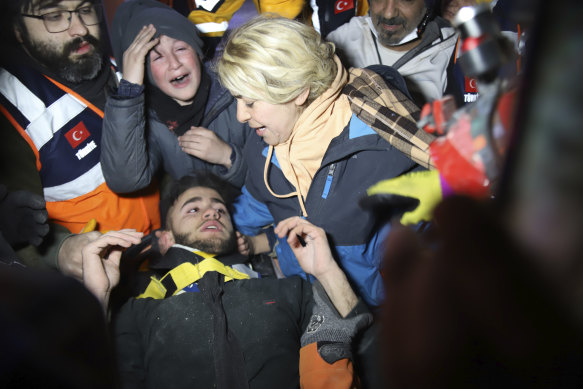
(312, 155)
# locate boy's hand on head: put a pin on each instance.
(134, 58)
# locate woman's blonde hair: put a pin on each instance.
(275, 59)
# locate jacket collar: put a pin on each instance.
(178, 255)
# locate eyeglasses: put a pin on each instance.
(59, 21)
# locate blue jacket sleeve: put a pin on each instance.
(360, 263)
(250, 215)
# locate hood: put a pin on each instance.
(132, 15)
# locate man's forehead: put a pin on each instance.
(200, 193)
(43, 4)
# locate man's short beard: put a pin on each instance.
(83, 68)
(387, 38)
(210, 246)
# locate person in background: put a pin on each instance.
(406, 35)
(506, 18)
(449, 8)
(213, 19)
(52, 94)
(329, 15)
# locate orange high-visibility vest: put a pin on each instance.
(64, 131)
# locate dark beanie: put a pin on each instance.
(131, 16)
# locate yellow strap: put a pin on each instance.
(90, 226)
(203, 254)
(188, 273)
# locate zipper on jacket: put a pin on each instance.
(329, 179)
(219, 106)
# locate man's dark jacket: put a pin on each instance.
(168, 343)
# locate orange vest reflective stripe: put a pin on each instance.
(64, 131)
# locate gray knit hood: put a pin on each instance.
(132, 15)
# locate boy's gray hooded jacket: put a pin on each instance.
(136, 144)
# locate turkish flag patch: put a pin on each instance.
(343, 5)
(471, 85)
(77, 134)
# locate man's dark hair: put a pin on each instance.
(10, 18)
(202, 179)
(15, 6)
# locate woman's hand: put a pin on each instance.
(206, 145)
(134, 58)
(309, 244)
(311, 248)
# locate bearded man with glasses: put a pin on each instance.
(53, 87)
(64, 37)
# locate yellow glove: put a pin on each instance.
(425, 186)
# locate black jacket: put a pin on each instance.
(168, 343)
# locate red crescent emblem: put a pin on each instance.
(343, 5)
(77, 135)
(471, 86)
